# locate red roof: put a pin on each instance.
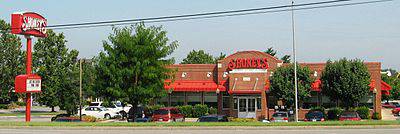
(193, 86)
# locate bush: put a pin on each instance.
(87, 118)
(213, 110)
(154, 107)
(200, 110)
(363, 112)
(322, 109)
(19, 103)
(12, 105)
(3, 106)
(333, 113)
(376, 116)
(231, 119)
(186, 110)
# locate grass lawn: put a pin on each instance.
(33, 114)
(206, 124)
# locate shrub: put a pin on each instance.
(322, 109)
(19, 103)
(200, 110)
(186, 110)
(12, 105)
(87, 118)
(242, 119)
(3, 106)
(376, 116)
(363, 112)
(212, 110)
(333, 113)
(154, 107)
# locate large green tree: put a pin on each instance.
(132, 67)
(272, 52)
(11, 61)
(282, 83)
(198, 57)
(58, 68)
(345, 80)
(394, 82)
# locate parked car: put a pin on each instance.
(396, 111)
(390, 104)
(141, 114)
(59, 116)
(100, 112)
(349, 116)
(115, 106)
(213, 118)
(280, 117)
(168, 114)
(315, 116)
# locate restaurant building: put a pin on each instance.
(238, 86)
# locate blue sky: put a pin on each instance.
(369, 32)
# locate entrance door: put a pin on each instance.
(247, 107)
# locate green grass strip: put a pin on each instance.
(204, 124)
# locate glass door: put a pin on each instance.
(247, 107)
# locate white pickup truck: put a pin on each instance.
(115, 106)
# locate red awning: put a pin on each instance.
(193, 86)
(316, 85)
(385, 88)
(245, 91)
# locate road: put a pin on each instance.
(198, 130)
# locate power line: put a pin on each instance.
(225, 15)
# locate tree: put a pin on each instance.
(132, 67)
(220, 57)
(59, 70)
(345, 80)
(198, 57)
(11, 62)
(394, 82)
(272, 52)
(282, 83)
(89, 77)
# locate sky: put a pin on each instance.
(369, 32)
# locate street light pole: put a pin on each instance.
(295, 69)
(80, 89)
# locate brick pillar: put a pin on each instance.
(231, 105)
(219, 100)
(185, 102)
(264, 100)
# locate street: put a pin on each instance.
(197, 130)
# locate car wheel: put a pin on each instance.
(107, 116)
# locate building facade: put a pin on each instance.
(239, 85)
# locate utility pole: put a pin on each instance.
(295, 68)
(80, 89)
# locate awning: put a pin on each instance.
(316, 85)
(385, 88)
(193, 86)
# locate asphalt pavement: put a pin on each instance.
(197, 130)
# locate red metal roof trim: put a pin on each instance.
(193, 86)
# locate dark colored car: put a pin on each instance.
(315, 116)
(59, 116)
(141, 114)
(349, 116)
(213, 118)
(168, 114)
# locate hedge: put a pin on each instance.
(333, 113)
(363, 112)
(186, 110)
(200, 110)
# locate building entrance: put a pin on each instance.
(247, 107)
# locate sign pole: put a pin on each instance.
(296, 118)
(28, 72)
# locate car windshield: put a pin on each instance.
(315, 115)
(279, 115)
(94, 104)
(161, 112)
(349, 115)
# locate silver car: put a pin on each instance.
(280, 117)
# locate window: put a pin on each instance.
(259, 103)
(225, 102)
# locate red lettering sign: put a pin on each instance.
(28, 23)
(257, 63)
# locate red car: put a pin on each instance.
(396, 111)
(168, 114)
(349, 116)
(388, 105)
